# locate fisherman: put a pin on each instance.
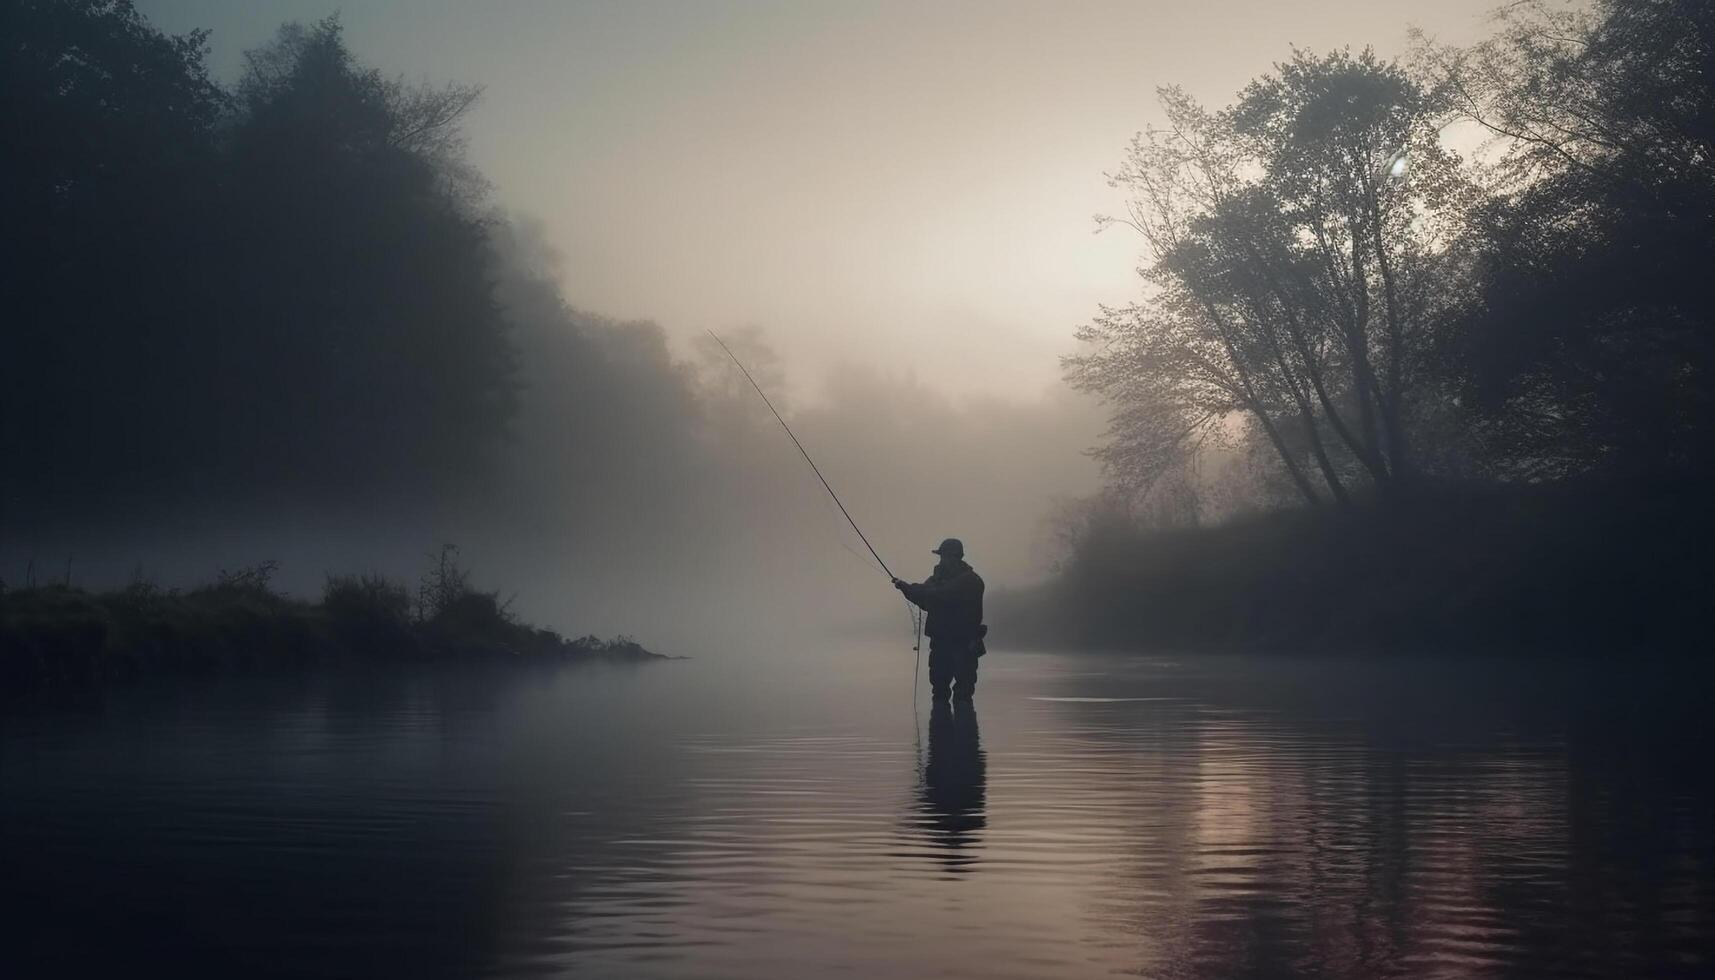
(953, 598)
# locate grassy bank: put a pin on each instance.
(60, 635)
(1537, 570)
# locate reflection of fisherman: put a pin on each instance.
(950, 803)
(953, 597)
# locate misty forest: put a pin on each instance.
(1346, 584)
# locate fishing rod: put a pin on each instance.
(916, 614)
(805, 453)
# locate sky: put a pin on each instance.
(899, 188)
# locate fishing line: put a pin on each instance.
(916, 650)
(839, 538)
(863, 559)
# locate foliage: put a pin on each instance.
(443, 585)
(1295, 241)
(105, 210)
(621, 647)
(368, 597)
(286, 286)
(1502, 570)
(1524, 342)
(396, 362)
(1588, 345)
(1326, 279)
(248, 580)
(368, 611)
(59, 635)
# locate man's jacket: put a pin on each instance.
(953, 597)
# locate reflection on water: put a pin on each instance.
(1193, 818)
(950, 813)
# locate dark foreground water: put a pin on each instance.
(782, 813)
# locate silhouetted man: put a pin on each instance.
(953, 598)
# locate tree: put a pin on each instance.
(109, 153)
(361, 327)
(1589, 344)
(1294, 241)
(286, 288)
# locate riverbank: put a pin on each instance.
(64, 636)
(1538, 570)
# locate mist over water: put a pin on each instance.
(1183, 816)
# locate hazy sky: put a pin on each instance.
(907, 187)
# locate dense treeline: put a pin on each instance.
(286, 284)
(1564, 569)
(1341, 312)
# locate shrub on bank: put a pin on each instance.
(368, 612)
(61, 635)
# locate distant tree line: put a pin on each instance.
(286, 284)
(1332, 290)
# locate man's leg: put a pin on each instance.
(965, 673)
(941, 670)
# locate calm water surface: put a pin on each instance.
(786, 813)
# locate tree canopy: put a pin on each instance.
(1327, 282)
(286, 285)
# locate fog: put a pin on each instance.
(337, 294)
(643, 488)
(886, 209)
(664, 495)
(899, 186)
(412, 560)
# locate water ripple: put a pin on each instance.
(1158, 818)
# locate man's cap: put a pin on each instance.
(952, 548)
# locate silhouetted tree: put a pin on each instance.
(1297, 240)
(104, 197)
(1590, 345)
(286, 287)
(363, 325)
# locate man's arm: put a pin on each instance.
(913, 592)
(959, 588)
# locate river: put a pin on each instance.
(789, 811)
